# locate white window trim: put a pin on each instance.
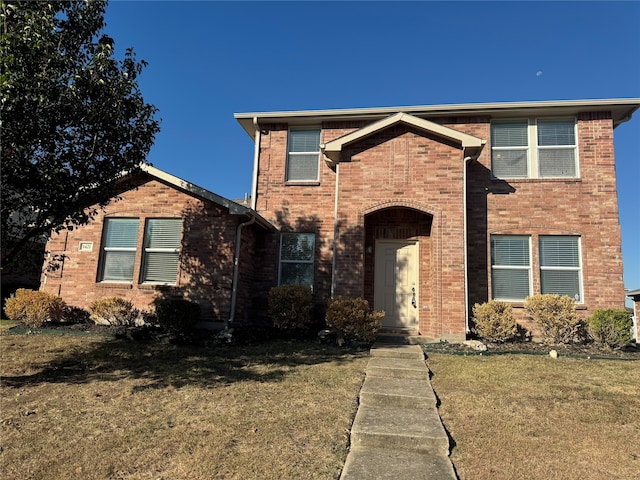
(105, 249)
(315, 152)
(532, 148)
(146, 250)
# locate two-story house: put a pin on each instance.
(423, 211)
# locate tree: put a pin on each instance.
(73, 120)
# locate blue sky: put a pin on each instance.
(209, 60)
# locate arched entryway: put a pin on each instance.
(398, 266)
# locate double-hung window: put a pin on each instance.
(119, 242)
(560, 271)
(297, 258)
(303, 159)
(510, 267)
(538, 148)
(161, 250)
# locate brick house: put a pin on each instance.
(164, 237)
(423, 211)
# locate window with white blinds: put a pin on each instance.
(560, 271)
(534, 149)
(120, 237)
(161, 250)
(510, 267)
(297, 253)
(304, 155)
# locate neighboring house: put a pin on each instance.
(635, 296)
(164, 237)
(423, 211)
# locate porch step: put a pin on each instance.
(383, 464)
(404, 339)
(396, 351)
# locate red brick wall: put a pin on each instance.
(585, 206)
(404, 168)
(206, 264)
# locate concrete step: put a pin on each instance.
(397, 367)
(383, 464)
(417, 430)
(398, 351)
(401, 339)
(397, 392)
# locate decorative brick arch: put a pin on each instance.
(431, 323)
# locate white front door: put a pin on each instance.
(396, 283)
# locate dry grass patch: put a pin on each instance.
(95, 408)
(533, 417)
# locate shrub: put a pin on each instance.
(610, 328)
(177, 314)
(353, 319)
(75, 315)
(290, 306)
(494, 321)
(557, 318)
(113, 311)
(33, 307)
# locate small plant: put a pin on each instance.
(33, 307)
(176, 314)
(290, 306)
(610, 328)
(494, 321)
(75, 315)
(353, 319)
(556, 317)
(115, 311)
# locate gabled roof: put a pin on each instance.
(621, 110)
(234, 207)
(472, 145)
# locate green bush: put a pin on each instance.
(33, 307)
(290, 306)
(353, 319)
(114, 311)
(494, 321)
(556, 317)
(610, 328)
(177, 314)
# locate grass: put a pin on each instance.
(532, 417)
(6, 325)
(98, 408)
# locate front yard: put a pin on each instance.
(523, 416)
(93, 408)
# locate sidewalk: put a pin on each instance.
(397, 432)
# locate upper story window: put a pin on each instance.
(534, 149)
(297, 251)
(303, 158)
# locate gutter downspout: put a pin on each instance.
(236, 268)
(256, 155)
(335, 232)
(467, 161)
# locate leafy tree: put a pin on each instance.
(72, 116)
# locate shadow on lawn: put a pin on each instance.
(170, 365)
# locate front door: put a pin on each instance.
(396, 283)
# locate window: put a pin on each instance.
(560, 271)
(296, 259)
(161, 250)
(510, 267)
(119, 249)
(534, 149)
(304, 155)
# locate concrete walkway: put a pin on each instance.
(397, 432)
